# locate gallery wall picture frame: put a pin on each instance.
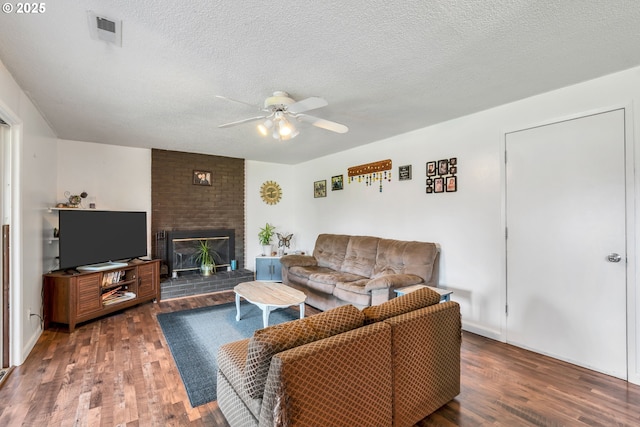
(201, 177)
(431, 169)
(404, 173)
(320, 188)
(337, 183)
(438, 185)
(443, 167)
(451, 184)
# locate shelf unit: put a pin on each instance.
(72, 298)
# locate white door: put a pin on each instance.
(565, 214)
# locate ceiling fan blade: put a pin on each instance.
(239, 102)
(239, 122)
(324, 124)
(307, 104)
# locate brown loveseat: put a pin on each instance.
(359, 270)
(387, 365)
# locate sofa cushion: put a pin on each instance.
(361, 255)
(322, 274)
(393, 281)
(356, 298)
(401, 257)
(335, 321)
(357, 286)
(301, 260)
(330, 250)
(272, 340)
(403, 304)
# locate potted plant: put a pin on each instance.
(204, 256)
(264, 237)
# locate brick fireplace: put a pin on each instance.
(178, 205)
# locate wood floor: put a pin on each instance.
(118, 371)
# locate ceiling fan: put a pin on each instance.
(279, 109)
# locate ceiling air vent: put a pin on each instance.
(105, 28)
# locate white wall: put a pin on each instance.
(469, 224)
(258, 213)
(115, 177)
(34, 171)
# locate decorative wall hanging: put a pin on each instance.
(270, 192)
(441, 176)
(320, 188)
(336, 183)
(201, 177)
(371, 173)
(404, 173)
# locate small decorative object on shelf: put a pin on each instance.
(371, 173)
(74, 200)
(283, 242)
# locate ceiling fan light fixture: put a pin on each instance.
(264, 128)
(285, 128)
(278, 113)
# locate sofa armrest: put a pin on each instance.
(298, 260)
(393, 281)
(334, 381)
(427, 373)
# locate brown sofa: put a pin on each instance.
(359, 270)
(387, 365)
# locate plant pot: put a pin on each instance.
(206, 269)
(266, 250)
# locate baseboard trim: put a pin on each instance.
(482, 331)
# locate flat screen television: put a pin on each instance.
(89, 237)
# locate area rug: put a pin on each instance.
(194, 337)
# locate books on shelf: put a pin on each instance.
(112, 277)
(116, 295)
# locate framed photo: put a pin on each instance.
(429, 189)
(336, 183)
(452, 184)
(431, 168)
(453, 161)
(320, 188)
(438, 185)
(404, 173)
(429, 181)
(453, 170)
(201, 177)
(443, 167)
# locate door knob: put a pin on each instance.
(614, 257)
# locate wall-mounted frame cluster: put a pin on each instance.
(441, 176)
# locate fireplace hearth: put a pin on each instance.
(193, 283)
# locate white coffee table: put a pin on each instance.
(268, 296)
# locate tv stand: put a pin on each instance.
(110, 265)
(72, 299)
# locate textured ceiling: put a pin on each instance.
(385, 67)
